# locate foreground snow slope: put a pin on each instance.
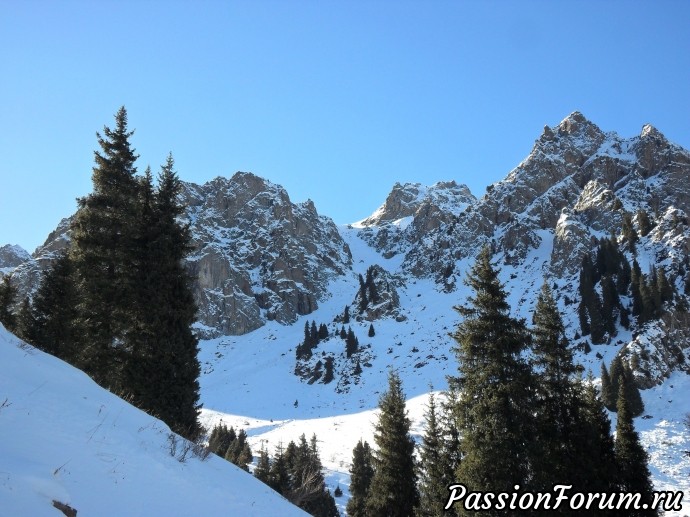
(64, 438)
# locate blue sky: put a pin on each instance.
(334, 100)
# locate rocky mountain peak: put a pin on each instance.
(405, 200)
(11, 256)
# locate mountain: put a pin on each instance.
(66, 442)
(266, 267)
(12, 256)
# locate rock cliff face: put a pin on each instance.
(258, 256)
(410, 211)
(576, 183)
(12, 256)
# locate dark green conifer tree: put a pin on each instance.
(351, 343)
(54, 311)
(220, 439)
(558, 412)
(664, 287)
(608, 396)
(26, 323)
(632, 392)
(631, 458)
(309, 490)
(262, 472)
(610, 304)
(643, 223)
(173, 387)
(279, 476)
(629, 234)
(494, 412)
(361, 473)
(239, 453)
(393, 490)
(314, 333)
(636, 282)
(597, 457)
(434, 472)
(615, 372)
(102, 246)
(372, 332)
(8, 294)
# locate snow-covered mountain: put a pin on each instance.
(266, 266)
(65, 441)
(12, 256)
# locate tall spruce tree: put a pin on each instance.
(435, 472)
(361, 473)
(495, 408)
(393, 490)
(102, 244)
(173, 385)
(631, 458)
(597, 457)
(559, 408)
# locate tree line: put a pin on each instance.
(517, 413)
(117, 302)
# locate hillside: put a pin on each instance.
(65, 439)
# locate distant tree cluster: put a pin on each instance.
(368, 293)
(509, 418)
(230, 445)
(118, 302)
(620, 374)
(611, 271)
(296, 473)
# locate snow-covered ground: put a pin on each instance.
(65, 439)
(248, 381)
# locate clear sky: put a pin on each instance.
(334, 100)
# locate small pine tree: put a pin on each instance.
(8, 294)
(323, 332)
(346, 315)
(279, 474)
(597, 454)
(26, 323)
(643, 223)
(54, 311)
(632, 393)
(351, 343)
(631, 458)
(608, 396)
(361, 473)
(328, 374)
(262, 472)
(434, 472)
(393, 490)
(372, 332)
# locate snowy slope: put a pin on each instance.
(64, 438)
(248, 381)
